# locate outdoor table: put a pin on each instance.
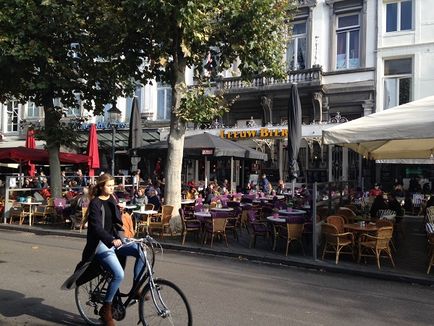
(188, 201)
(222, 209)
(278, 219)
(130, 206)
(292, 212)
(31, 208)
(357, 229)
(147, 214)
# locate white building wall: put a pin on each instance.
(417, 43)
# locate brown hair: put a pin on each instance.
(100, 183)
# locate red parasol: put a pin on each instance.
(31, 144)
(19, 154)
(92, 150)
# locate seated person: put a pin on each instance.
(395, 206)
(153, 199)
(376, 191)
(379, 203)
(280, 189)
(140, 198)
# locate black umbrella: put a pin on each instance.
(294, 131)
(135, 138)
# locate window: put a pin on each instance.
(12, 116)
(164, 103)
(296, 50)
(32, 110)
(399, 16)
(348, 42)
(397, 82)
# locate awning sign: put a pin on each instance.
(208, 151)
(258, 133)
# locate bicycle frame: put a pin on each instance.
(146, 277)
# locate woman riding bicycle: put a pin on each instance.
(103, 236)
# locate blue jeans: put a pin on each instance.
(107, 257)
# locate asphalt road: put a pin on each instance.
(221, 291)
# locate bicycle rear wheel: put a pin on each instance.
(171, 299)
(89, 299)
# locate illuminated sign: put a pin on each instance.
(207, 152)
(259, 133)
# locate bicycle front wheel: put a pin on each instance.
(89, 299)
(170, 300)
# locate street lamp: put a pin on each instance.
(114, 117)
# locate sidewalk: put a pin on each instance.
(410, 258)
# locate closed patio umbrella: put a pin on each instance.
(294, 131)
(31, 144)
(92, 151)
(135, 139)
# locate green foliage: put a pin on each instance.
(199, 104)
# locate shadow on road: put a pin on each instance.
(14, 304)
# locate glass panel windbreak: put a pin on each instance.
(398, 66)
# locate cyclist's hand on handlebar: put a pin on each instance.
(117, 243)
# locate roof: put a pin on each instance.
(121, 138)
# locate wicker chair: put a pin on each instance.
(162, 220)
(259, 229)
(44, 212)
(188, 225)
(374, 245)
(336, 242)
(217, 226)
(233, 222)
(290, 232)
(17, 211)
(337, 221)
(347, 214)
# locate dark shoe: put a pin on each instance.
(106, 314)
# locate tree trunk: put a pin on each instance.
(175, 152)
(52, 120)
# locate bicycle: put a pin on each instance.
(170, 305)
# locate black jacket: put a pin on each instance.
(96, 231)
(89, 267)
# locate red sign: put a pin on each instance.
(207, 151)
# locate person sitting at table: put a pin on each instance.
(140, 198)
(153, 199)
(379, 203)
(395, 206)
(280, 189)
(191, 193)
(376, 191)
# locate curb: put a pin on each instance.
(317, 265)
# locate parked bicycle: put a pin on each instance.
(160, 302)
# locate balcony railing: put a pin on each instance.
(309, 76)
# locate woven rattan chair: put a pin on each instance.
(337, 242)
(259, 229)
(190, 225)
(162, 222)
(347, 214)
(290, 232)
(337, 221)
(375, 245)
(217, 226)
